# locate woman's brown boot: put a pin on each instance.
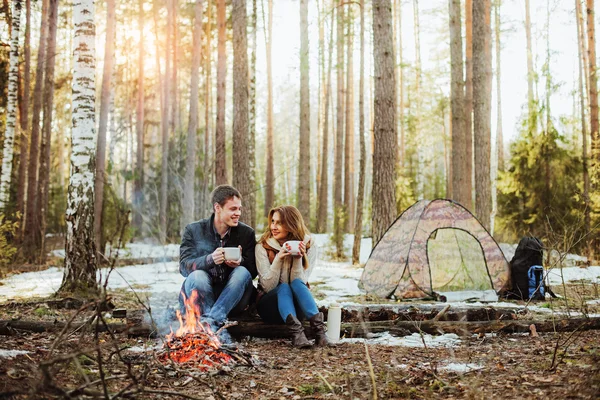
(318, 328)
(297, 332)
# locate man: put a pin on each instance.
(223, 286)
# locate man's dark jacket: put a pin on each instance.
(199, 241)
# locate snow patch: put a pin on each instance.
(414, 340)
(460, 367)
(12, 353)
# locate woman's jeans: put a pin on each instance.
(216, 301)
(286, 299)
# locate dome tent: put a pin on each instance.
(432, 247)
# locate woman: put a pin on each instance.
(283, 277)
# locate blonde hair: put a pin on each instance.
(292, 221)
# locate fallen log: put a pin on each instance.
(348, 329)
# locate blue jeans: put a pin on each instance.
(216, 301)
(286, 299)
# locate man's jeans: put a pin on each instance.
(216, 301)
(295, 299)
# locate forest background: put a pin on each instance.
(350, 110)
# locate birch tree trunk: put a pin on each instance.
(32, 235)
(482, 85)
(100, 176)
(304, 142)
(24, 117)
(80, 252)
(48, 102)
(11, 108)
(251, 196)
(385, 150)
(241, 162)
(270, 173)
(361, 135)
(220, 153)
(187, 206)
(349, 141)
(469, 102)
(338, 207)
(323, 196)
(584, 134)
(460, 162)
(138, 196)
(499, 133)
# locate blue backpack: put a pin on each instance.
(535, 277)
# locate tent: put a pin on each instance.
(435, 247)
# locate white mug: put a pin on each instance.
(293, 247)
(232, 253)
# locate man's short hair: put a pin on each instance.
(222, 193)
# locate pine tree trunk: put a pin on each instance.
(418, 101)
(349, 140)
(11, 108)
(338, 209)
(460, 162)
(270, 173)
(593, 87)
(469, 101)
(532, 120)
(187, 206)
(100, 176)
(250, 202)
(304, 177)
(241, 163)
(324, 193)
(165, 125)
(48, 102)
(400, 75)
(220, 153)
(32, 235)
(385, 151)
(24, 117)
(361, 135)
(80, 252)
(208, 143)
(174, 115)
(482, 84)
(584, 133)
(138, 199)
(499, 133)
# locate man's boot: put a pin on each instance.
(318, 328)
(297, 332)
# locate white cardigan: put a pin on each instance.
(283, 270)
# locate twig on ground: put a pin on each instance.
(371, 372)
(326, 383)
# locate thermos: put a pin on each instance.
(334, 322)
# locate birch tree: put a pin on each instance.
(304, 145)
(80, 252)
(187, 205)
(11, 109)
(385, 150)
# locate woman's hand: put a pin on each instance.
(302, 248)
(284, 252)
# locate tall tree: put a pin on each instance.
(400, 75)
(593, 88)
(324, 186)
(385, 150)
(208, 142)
(304, 145)
(11, 118)
(187, 205)
(220, 151)
(24, 114)
(105, 95)
(349, 141)
(32, 235)
(165, 127)
(584, 134)
(460, 178)
(482, 96)
(418, 97)
(241, 163)
(80, 252)
(338, 209)
(361, 135)
(499, 134)
(251, 196)
(530, 72)
(138, 184)
(468, 202)
(48, 101)
(270, 172)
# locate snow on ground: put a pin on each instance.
(414, 340)
(136, 251)
(12, 353)
(460, 367)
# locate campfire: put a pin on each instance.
(194, 342)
